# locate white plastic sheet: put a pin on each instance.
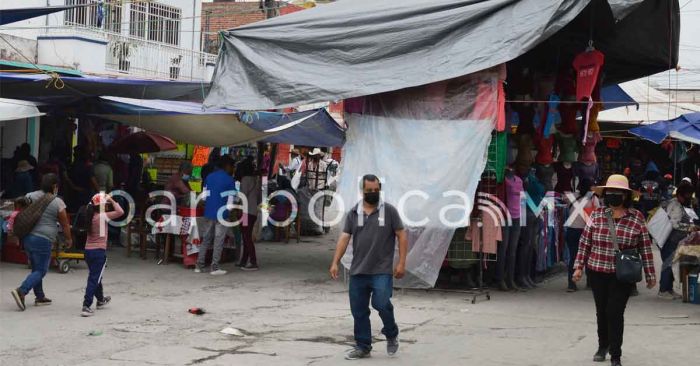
(431, 139)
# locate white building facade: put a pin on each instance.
(124, 38)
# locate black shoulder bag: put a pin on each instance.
(628, 262)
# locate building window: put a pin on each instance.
(155, 22)
(107, 16)
(137, 22)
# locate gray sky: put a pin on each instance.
(689, 58)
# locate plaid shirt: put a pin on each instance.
(596, 248)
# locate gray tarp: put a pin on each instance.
(361, 47)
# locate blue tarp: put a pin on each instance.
(8, 16)
(613, 96)
(69, 89)
(685, 128)
(188, 122)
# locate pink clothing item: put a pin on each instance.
(588, 151)
(514, 186)
(490, 235)
(11, 220)
(94, 239)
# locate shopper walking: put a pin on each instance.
(682, 217)
(576, 222)
(597, 253)
(101, 209)
(374, 226)
(218, 182)
(251, 190)
(38, 242)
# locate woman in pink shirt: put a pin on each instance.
(101, 209)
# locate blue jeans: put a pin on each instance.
(379, 288)
(96, 260)
(39, 253)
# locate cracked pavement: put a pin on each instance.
(291, 313)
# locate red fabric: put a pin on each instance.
(568, 118)
(596, 248)
(587, 66)
(544, 149)
(501, 120)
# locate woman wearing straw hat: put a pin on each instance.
(597, 253)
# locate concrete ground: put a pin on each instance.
(291, 313)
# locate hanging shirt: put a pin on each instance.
(544, 149)
(564, 178)
(553, 116)
(588, 153)
(567, 112)
(567, 147)
(514, 185)
(587, 66)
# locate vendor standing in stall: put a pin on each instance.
(374, 227)
(682, 217)
(218, 182)
(178, 184)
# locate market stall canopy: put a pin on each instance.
(613, 96)
(68, 89)
(142, 142)
(363, 47)
(11, 109)
(8, 16)
(685, 128)
(188, 122)
(653, 105)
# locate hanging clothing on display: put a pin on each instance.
(490, 234)
(593, 118)
(568, 147)
(514, 188)
(586, 171)
(526, 115)
(498, 149)
(544, 149)
(588, 66)
(567, 113)
(588, 152)
(523, 160)
(553, 116)
(565, 177)
(545, 174)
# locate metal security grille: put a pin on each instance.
(108, 16)
(155, 22)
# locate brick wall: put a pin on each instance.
(222, 15)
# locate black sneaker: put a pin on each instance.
(357, 353)
(19, 299)
(42, 302)
(615, 362)
(392, 346)
(104, 302)
(250, 267)
(600, 355)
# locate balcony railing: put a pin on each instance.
(142, 58)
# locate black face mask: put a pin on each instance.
(372, 197)
(614, 199)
